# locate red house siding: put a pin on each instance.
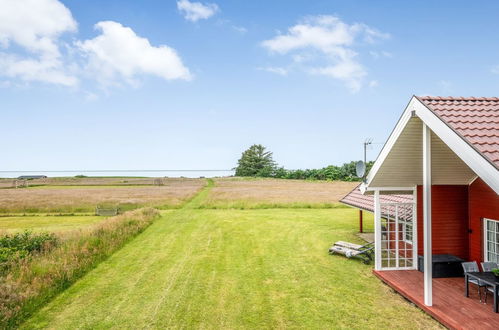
(449, 220)
(483, 203)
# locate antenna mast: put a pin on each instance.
(367, 142)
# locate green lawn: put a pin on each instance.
(227, 269)
(46, 222)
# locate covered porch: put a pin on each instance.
(454, 210)
(450, 306)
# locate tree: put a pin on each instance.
(256, 161)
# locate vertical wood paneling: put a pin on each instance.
(449, 220)
(483, 203)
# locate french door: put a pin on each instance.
(398, 235)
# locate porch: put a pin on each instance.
(450, 306)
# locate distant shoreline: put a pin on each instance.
(122, 173)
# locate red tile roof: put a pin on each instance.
(366, 202)
(475, 119)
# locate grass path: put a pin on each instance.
(216, 269)
(198, 199)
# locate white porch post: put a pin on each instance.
(377, 231)
(415, 228)
(428, 295)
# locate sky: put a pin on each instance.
(126, 84)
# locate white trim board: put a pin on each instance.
(472, 158)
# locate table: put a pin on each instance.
(486, 278)
(443, 265)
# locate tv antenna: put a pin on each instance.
(367, 143)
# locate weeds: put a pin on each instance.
(33, 280)
(20, 245)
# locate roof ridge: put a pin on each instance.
(457, 98)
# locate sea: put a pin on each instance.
(124, 173)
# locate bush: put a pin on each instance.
(33, 280)
(257, 161)
(345, 172)
(20, 245)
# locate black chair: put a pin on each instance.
(487, 267)
(471, 267)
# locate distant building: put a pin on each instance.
(31, 177)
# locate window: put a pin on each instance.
(491, 240)
(405, 229)
(408, 232)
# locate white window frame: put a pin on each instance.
(405, 231)
(379, 259)
(485, 238)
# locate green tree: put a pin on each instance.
(256, 161)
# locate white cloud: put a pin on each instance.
(495, 69)
(347, 70)
(47, 70)
(119, 53)
(373, 83)
(334, 41)
(35, 26)
(194, 11)
(276, 70)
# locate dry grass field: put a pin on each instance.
(74, 199)
(275, 193)
(93, 181)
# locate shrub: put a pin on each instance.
(20, 245)
(35, 279)
(345, 172)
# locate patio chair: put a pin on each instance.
(469, 267)
(487, 267)
(350, 250)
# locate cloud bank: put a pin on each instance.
(119, 53)
(329, 41)
(32, 49)
(35, 27)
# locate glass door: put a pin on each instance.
(397, 235)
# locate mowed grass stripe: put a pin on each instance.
(52, 223)
(233, 269)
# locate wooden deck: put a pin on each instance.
(450, 306)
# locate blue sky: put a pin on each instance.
(158, 85)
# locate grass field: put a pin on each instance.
(77, 198)
(238, 253)
(264, 268)
(243, 193)
(96, 181)
(46, 223)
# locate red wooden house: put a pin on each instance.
(445, 152)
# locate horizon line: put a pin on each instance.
(53, 171)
